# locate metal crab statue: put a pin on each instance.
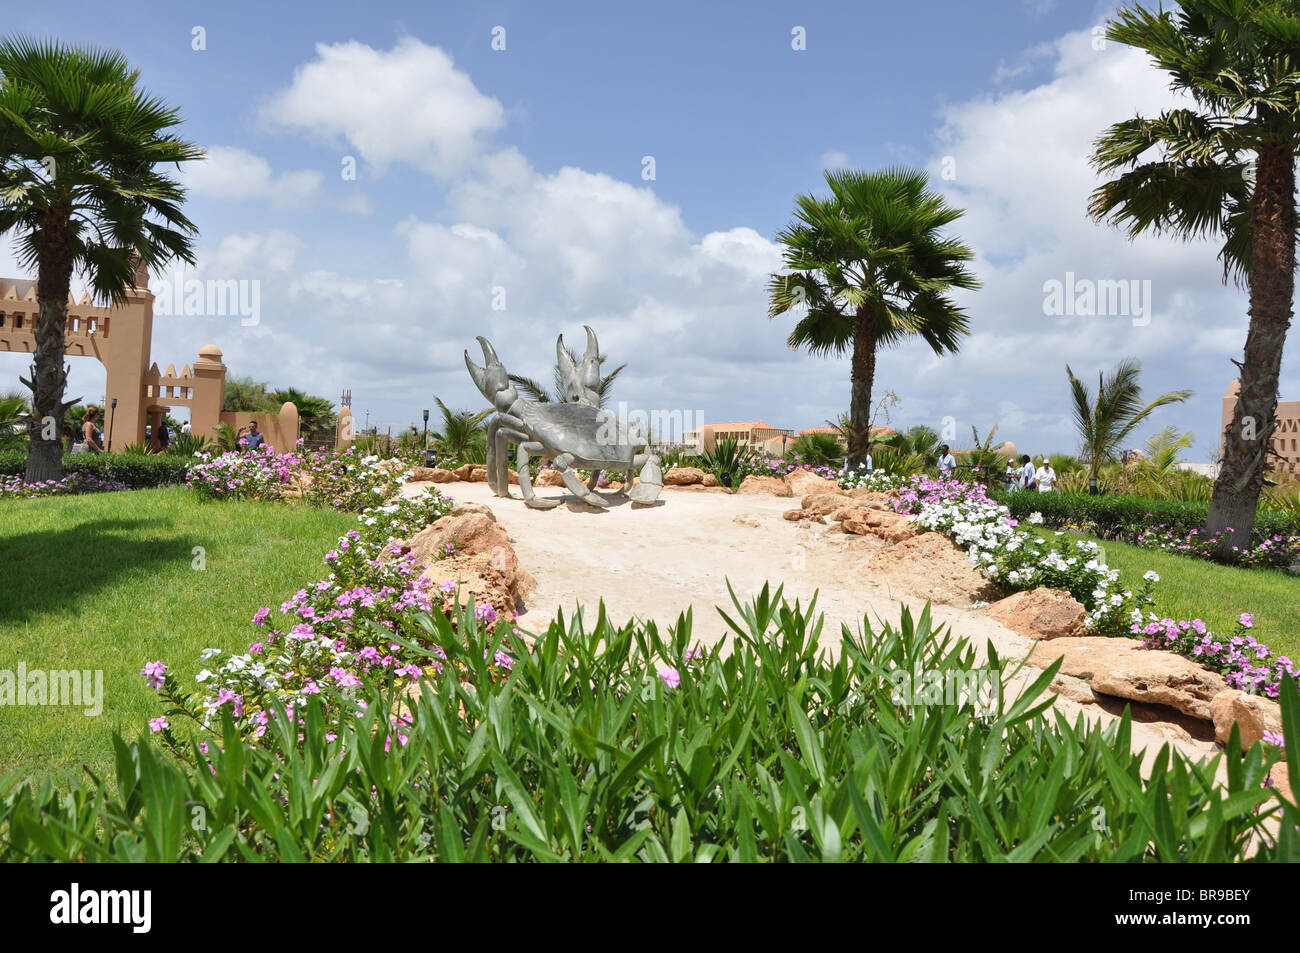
(575, 432)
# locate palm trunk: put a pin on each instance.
(49, 376)
(1248, 439)
(864, 374)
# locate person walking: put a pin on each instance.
(1012, 474)
(1028, 479)
(947, 463)
(90, 434)
(1045, 477)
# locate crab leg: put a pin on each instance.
(564, 463)
(652, 479)
(530, 448)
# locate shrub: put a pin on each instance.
(137, 472)
(616, 743)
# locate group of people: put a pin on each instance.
(1026, 476)
(91, 439)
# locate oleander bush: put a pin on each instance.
(137, 471)
(620, 743)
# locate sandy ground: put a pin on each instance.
(654, 562)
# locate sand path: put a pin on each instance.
(654, 562)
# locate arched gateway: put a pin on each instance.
(119, 338)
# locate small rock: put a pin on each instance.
(1252, 714)
(804, 483)
(463, 471)
(1041, 614)
(478, 475)
(710, 479)
(823, 504)
(684, 476)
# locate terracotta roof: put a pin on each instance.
(743, 425)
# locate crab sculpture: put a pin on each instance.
(574, 432)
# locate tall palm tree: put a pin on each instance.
(462, 435)
(1106, 420)
(79, 143)
(1224, 167)
(872, 270)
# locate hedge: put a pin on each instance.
(1118, 517)
(136, 471)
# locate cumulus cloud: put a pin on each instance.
(406, 105)
(233, 174)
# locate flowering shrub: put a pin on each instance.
(776, 467)
(356, 627)
(1022, 560)
(1246, 663)
(1275, 551)
(69, 484)
(343, 479)
(859, 479)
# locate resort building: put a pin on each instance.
(1286, 437)
(762, 437)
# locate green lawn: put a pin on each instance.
(109, 581)
(1194, 588)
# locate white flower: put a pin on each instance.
(1151, 576)
(204, 676)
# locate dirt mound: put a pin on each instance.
(930, 566)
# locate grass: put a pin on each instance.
(108, 581)
(1195, 588)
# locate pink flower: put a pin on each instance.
(672, 678)
(158, 724)
(259, 617)
(1247, 620)
(153, 673)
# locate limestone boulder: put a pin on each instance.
(824, 504)
(763, 484)
(710, 479)
(891, 527)
(549, 478)
(684, 476)
(1041, 614)
(460, 509)
(869, 499)
(467, 533)
(463, 471)
(485, 579)
(930, 566)
(795, 516)
(806, 483)
(478, 475)
(1121, 668)
(427, 475)
(1252, 714)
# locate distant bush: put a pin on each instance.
(137, 471)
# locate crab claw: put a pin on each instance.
(489, 354)
(478, 373)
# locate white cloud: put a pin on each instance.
(233, 174)
(406, 105)
(834, 159)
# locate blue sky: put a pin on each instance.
(522, 169)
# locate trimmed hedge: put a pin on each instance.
(1118, 517)
(137, 472)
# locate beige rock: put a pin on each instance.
(1280, 775)
(477, 576)
(1075, 689)
(684, 476)
(763, 484)
(463, 471)
(804, 483)
(869, 499)
(1122, 668)
(795, 516)
(441, 475)
(823, 504)
(478, 475)
(1041, 613)
(460, 509)
(549, 478)
(1253, 715)
(931, 566)
(514, 477)
(891, 527)
(470, 532)
(710, 479)
(423, 475)
(746, 519)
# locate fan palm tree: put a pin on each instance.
(1106, 420)
(462, 436)
(79, 145)
(920, 441)
(534, 390)
(13, 418)
(818, 450)
(1223, 167)
(868, 268)
(315, 414)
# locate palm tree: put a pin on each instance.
(919, 441)
(462, 436)
(1225, 167)
(818, 450)
(79, 142)
(1104, 423)
(871, 269)
(315, 414)
(13, 419)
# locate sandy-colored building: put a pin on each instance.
(748, 434)
(120, 339)
(1286, 437)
